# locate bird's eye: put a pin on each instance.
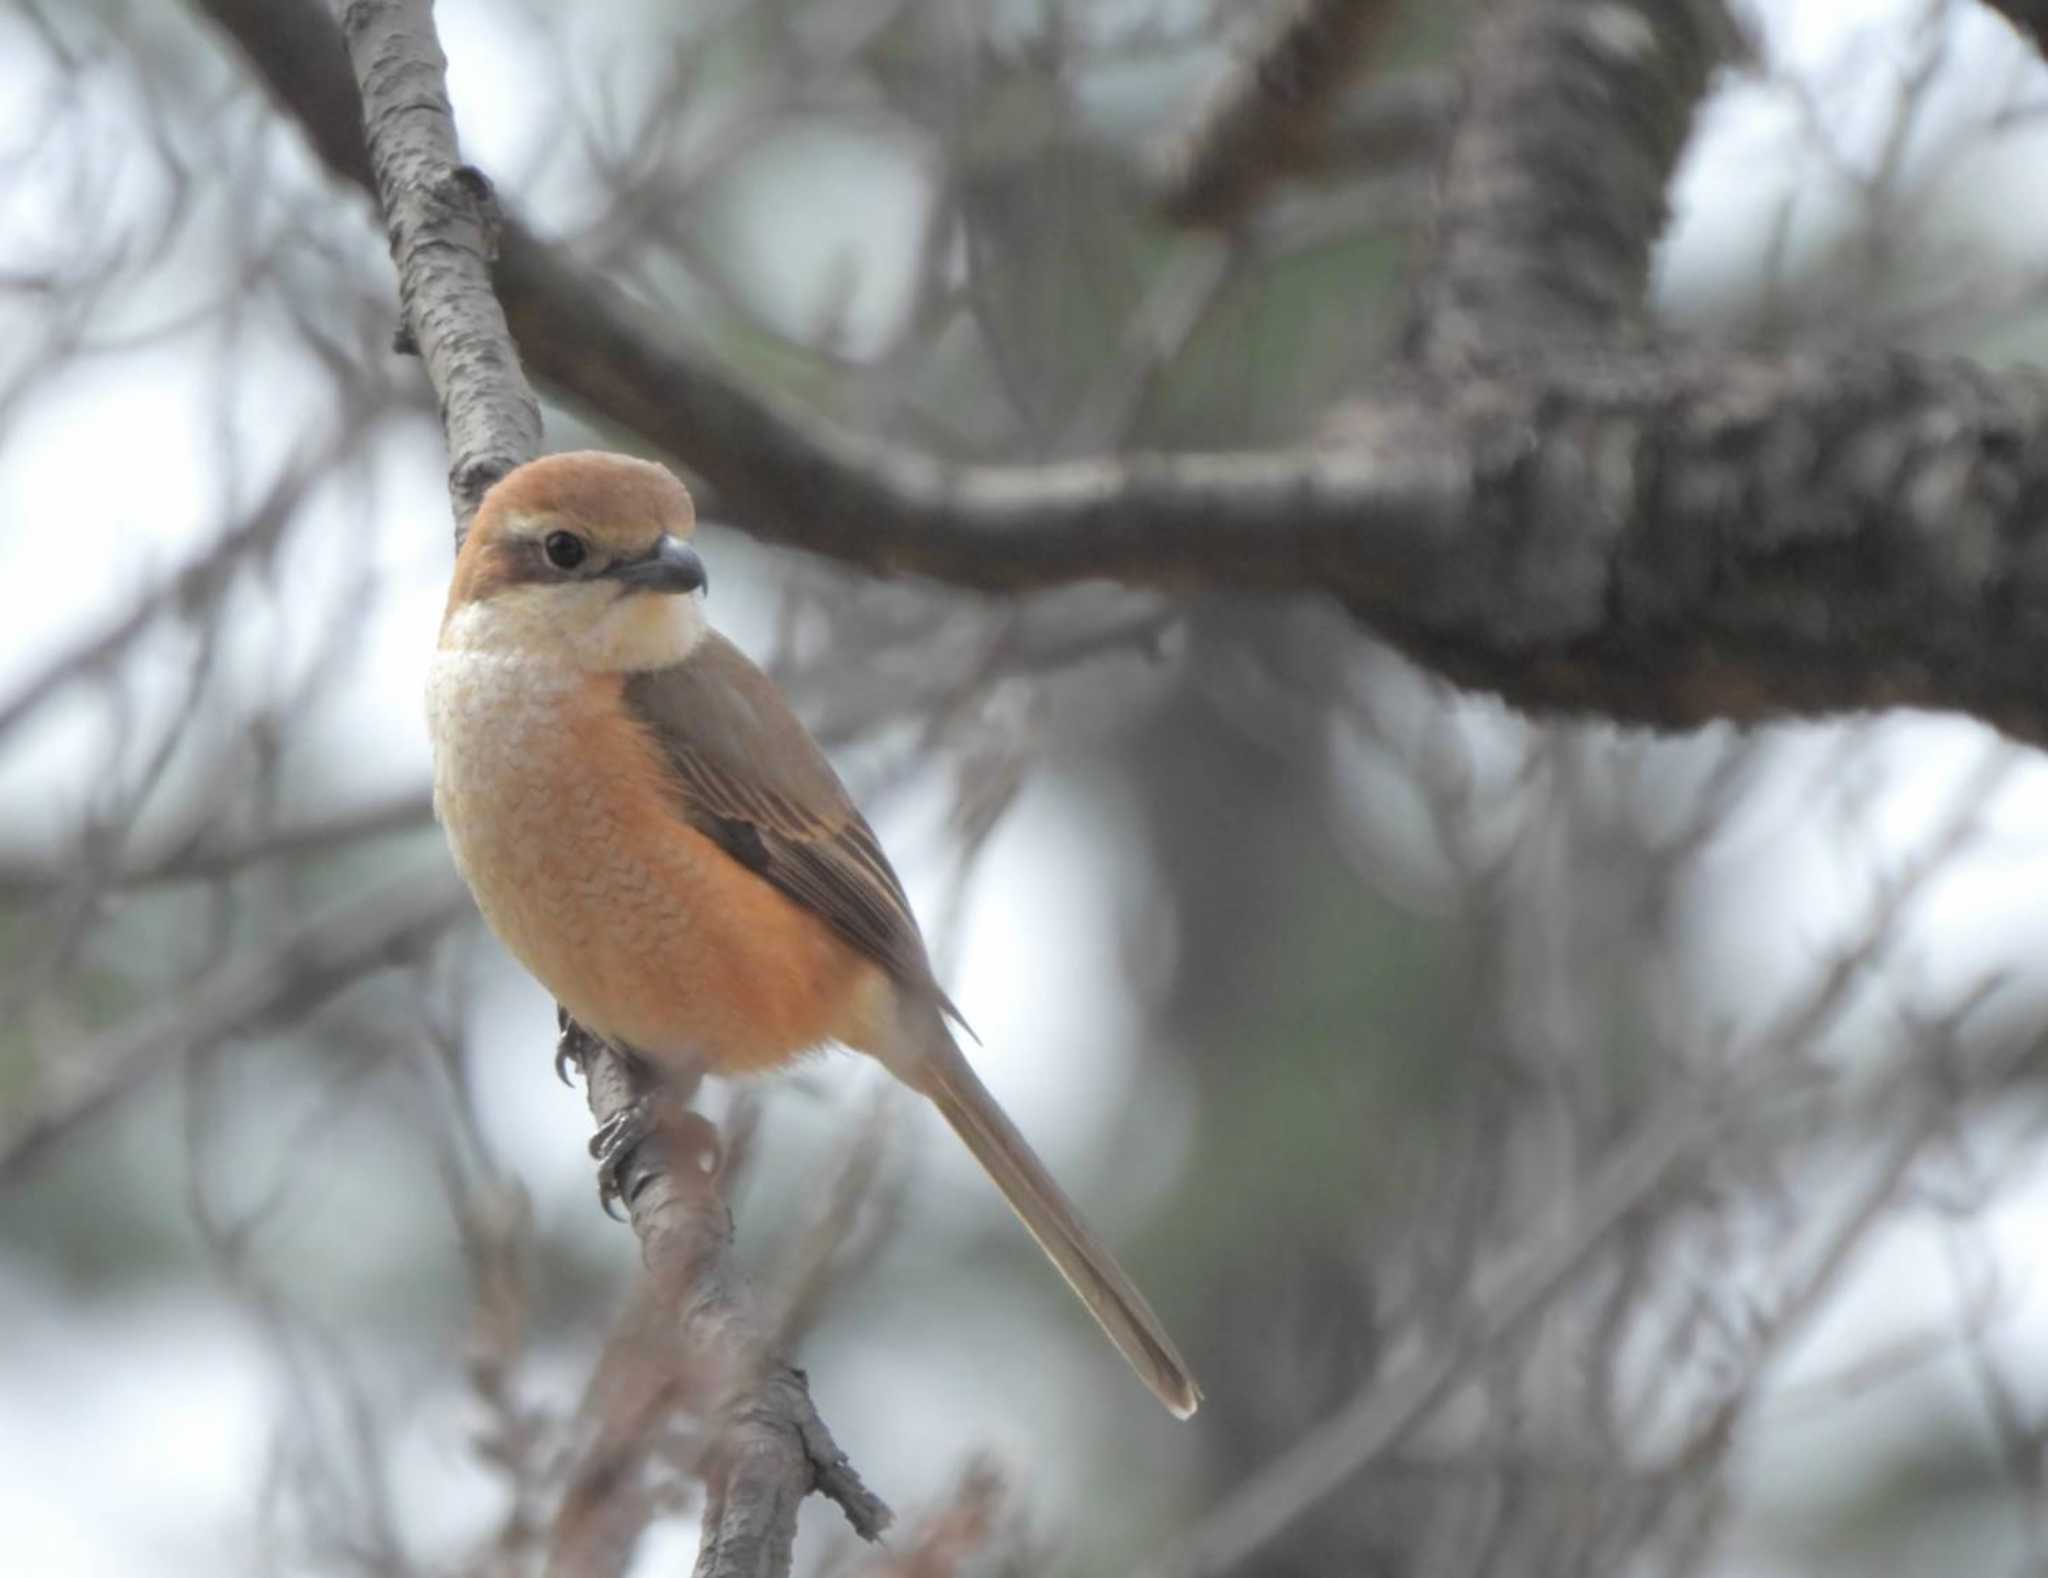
(564, 549)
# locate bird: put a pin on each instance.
(652, 832)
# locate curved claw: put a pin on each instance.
(614, 1144)
(567, 1053)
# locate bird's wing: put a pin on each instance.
(722, 727)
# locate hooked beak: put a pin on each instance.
(673, 566)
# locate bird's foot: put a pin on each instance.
(689, 1150)
(616, 1142)
(569, 1045)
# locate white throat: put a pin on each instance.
(592, 628)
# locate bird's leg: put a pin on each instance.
(619, 1137)
(657, 1107)
(642, 1101)
(685, 1146)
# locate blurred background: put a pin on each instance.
(1673, 1104)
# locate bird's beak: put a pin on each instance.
(672, 566)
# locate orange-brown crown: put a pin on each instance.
(618, 505)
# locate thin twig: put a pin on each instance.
(202, 854)
(288, 977)
(1381, 1415)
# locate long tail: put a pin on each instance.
(1083, 1259)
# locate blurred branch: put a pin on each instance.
(203, 854)
(1158, 330)
(193, 589)
(287, 978)
(2029, 17)
(1649, 1163)
(1270, 108)
(493, 1213)
(1402, 119)
(850, 1220)
(1767, 1092)
(1379, 1417)
(955, 1533)
(297, 46)
(2019, 1438)
(768, 1448)
(202, 857)
(607, 1503)
(1554, 187)
(1657, 536)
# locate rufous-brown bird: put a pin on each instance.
(653, 833)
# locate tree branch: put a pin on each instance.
(1655, 1158)
(2028, 17)
(443, 222)
(1264, 117)
(1741, 538)
(290, 974)
(202, 854)
(1554, 185)
(1659, 538)
(769, 1449)
(1378, 1418)
(708, 1348)
(1404, 119)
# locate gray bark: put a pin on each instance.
(768, 1448)
(1662, 535)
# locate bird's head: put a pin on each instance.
(583, 559)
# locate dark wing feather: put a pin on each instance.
(715, 719)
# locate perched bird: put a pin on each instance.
(653, 833)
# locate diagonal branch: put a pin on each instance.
(695, 1339)
(768, 1448)
(204, 854)
(1264, 118)
(1380, 1417)
(443, 222)
(1658, 1157)
(291, 974)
